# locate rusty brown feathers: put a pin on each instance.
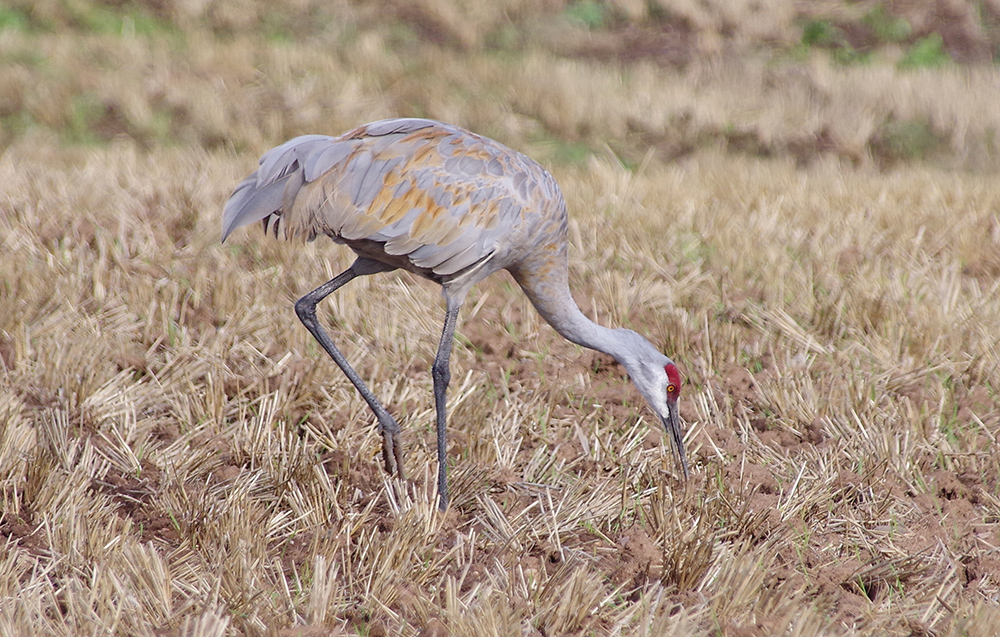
(416, 194)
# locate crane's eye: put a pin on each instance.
(671, 389)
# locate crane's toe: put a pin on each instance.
(392, 450)
(397, 453)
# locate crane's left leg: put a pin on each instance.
(392, 448)
(442, 376)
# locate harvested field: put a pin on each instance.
(813, 237)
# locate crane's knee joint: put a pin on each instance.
(305, 309)
(441, 374)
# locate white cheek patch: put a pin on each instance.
(658, 400)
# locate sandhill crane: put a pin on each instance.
(450, 206)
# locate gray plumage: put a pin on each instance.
(453, 207)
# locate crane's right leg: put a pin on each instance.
(392, 449)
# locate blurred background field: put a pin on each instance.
(869, 82)
(795, 200)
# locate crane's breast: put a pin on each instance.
(437, 196)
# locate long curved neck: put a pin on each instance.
(547, 288)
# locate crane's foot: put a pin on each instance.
(392, 449)
(397, 453)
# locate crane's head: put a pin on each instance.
(659, 382)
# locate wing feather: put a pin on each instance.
(326, 158)
(250, 203)
(279, 161)
(398, 125)
(441, 197)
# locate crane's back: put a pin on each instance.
(415, 194)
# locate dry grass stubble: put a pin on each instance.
(178, 455)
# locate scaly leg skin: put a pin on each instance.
(392, 450)
(442, 376)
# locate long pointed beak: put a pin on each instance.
(672, 423)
